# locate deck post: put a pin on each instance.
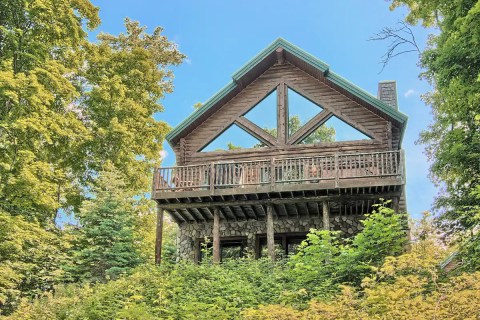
(270, 232)
(326, 216)
(159, 234)
(216, 235)
(396, 204)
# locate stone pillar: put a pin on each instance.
(216, 235)
(326, 216)
(270, 232)
(159, 233)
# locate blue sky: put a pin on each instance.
(218, 37)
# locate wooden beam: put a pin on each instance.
(280, 55)
(326, 216)
(159, 235)
(256, 131)
(309, 127)
(270, 233)
(216, 235)
(171, 206)
(282, 114)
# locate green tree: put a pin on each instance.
(452, 66)
(38, 60)
(30, 259)
(69, 105)
(105, 245)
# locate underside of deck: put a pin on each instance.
(286, 204)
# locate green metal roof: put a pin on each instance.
(305, 56)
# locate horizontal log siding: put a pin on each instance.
(318, 91)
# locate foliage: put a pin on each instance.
(105, 244)
(409, 286)
(69, 105)
(37, 128)
(222, 291)
(29, 259)
(347, 261)
(452, 66)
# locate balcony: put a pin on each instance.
(296, 174)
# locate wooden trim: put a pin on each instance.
(310, 127)
(326, 105)
(256, 131)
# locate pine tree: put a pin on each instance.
(105, 246)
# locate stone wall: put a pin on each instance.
(190, 232)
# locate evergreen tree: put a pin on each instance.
(105, 245)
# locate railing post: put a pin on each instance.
(212, 177)
(402, 166)
(154, 182)
(337, 171)
(272, 172)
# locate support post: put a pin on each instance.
(396, 204)
(326, 216)
(270, 232)
(159, 234)
(216, 235)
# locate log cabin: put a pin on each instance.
(263, 199)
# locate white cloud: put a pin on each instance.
(409, 93)
(163, 154)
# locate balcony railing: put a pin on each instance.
(279, 171)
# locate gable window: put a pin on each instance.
(232, 138)
(264, 114)
(334, 129)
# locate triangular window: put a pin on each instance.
(232, 138)
(334, 129)
(264, 114)
(300, 111)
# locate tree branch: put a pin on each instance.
(402, 40)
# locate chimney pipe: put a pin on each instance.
(387, 92)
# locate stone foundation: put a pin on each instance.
(190, 232)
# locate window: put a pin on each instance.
(230, 248)
(334, 129)
(232, 138)
(264, 114)
(286, 244)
